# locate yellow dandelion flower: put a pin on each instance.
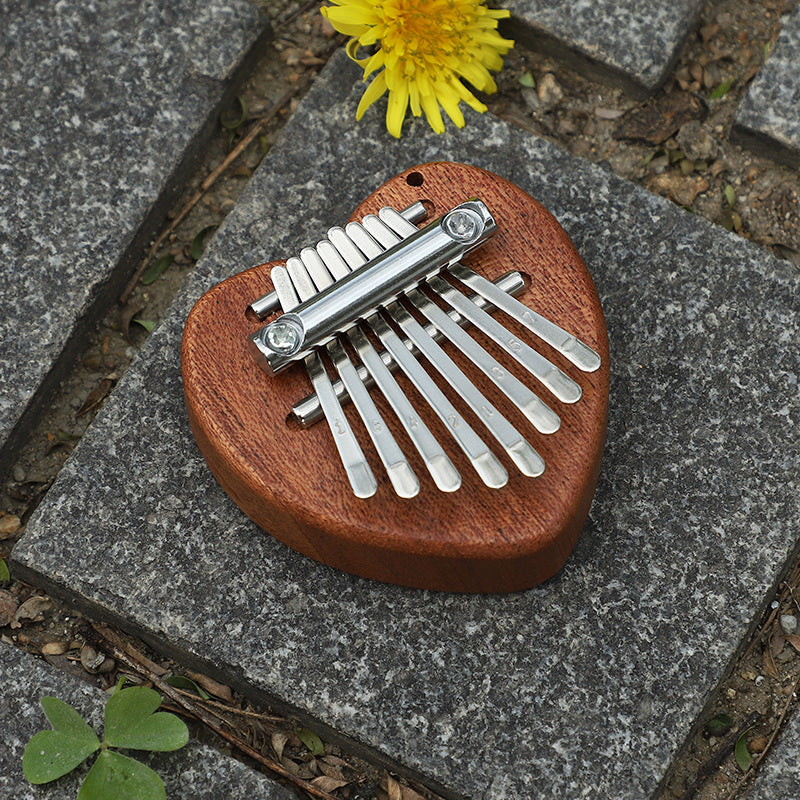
(426, 49)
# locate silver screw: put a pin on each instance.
(282, 336)
(462, 224)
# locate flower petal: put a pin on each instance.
(375, 90)
(396, 110)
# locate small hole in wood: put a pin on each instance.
(251, 315)
(415, 179)
(291, 422)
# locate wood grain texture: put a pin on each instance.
(291, 482)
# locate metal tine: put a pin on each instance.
(524, 456)
(398, 469)
(543, 418)
(485, 463)
(565, 343)
(441, 468)
(557, 381)
(270, 302)
(307, 411)
(355, 464)
(513, 442)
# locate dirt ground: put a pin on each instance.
(675, 144)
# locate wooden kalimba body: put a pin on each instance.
(454, 434)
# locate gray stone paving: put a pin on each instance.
(630, 42)
(101, 102)
(196, 772)
(583, 687)
(768, 119)
(779, 778)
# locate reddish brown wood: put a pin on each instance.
(290, 481)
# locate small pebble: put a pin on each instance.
(9, 525)
(54, 648)
(548, 91)
(91, 659)
(788, 623)
(759, 680)
(19, 474)
(774, 604)
(108, 665)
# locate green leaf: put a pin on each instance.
(232, 124)
(730, 195)
(51, 754)
(311, 741)
(743, 757)
(719, 725)
(117, 777)
(147, 324)
(157, 269)
(130, 722)
(5, 575)
(196, 249)
(182, 682)
(721, 90)
(526, 79)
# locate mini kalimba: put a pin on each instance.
(456, 350)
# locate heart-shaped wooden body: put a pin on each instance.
(290, 481)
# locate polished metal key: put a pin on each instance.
(383, 280)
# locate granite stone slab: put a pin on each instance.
(104, 105)
(779, 777)
(768, 119)
(196, 772)
(630, 43)
(583, 687)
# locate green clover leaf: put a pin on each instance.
(117, 777)
(131, 722)
(51, 754)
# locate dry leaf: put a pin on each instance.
(212, 686)
(393, 789)
(769, 663)
(657, 120)
(334, 760)
(278, 743)
(328, 784)
(126, 315)
(331, 771)
(32, 609)
(96, 396)
(290, 766)
(794, 640)
(8, 607)
(54, 648)
(776, 643)
(410, 794)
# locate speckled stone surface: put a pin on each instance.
(631, 42)
(101, 100)
(582, 687)
(196, 772)
(779, 777)
(768, 119)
